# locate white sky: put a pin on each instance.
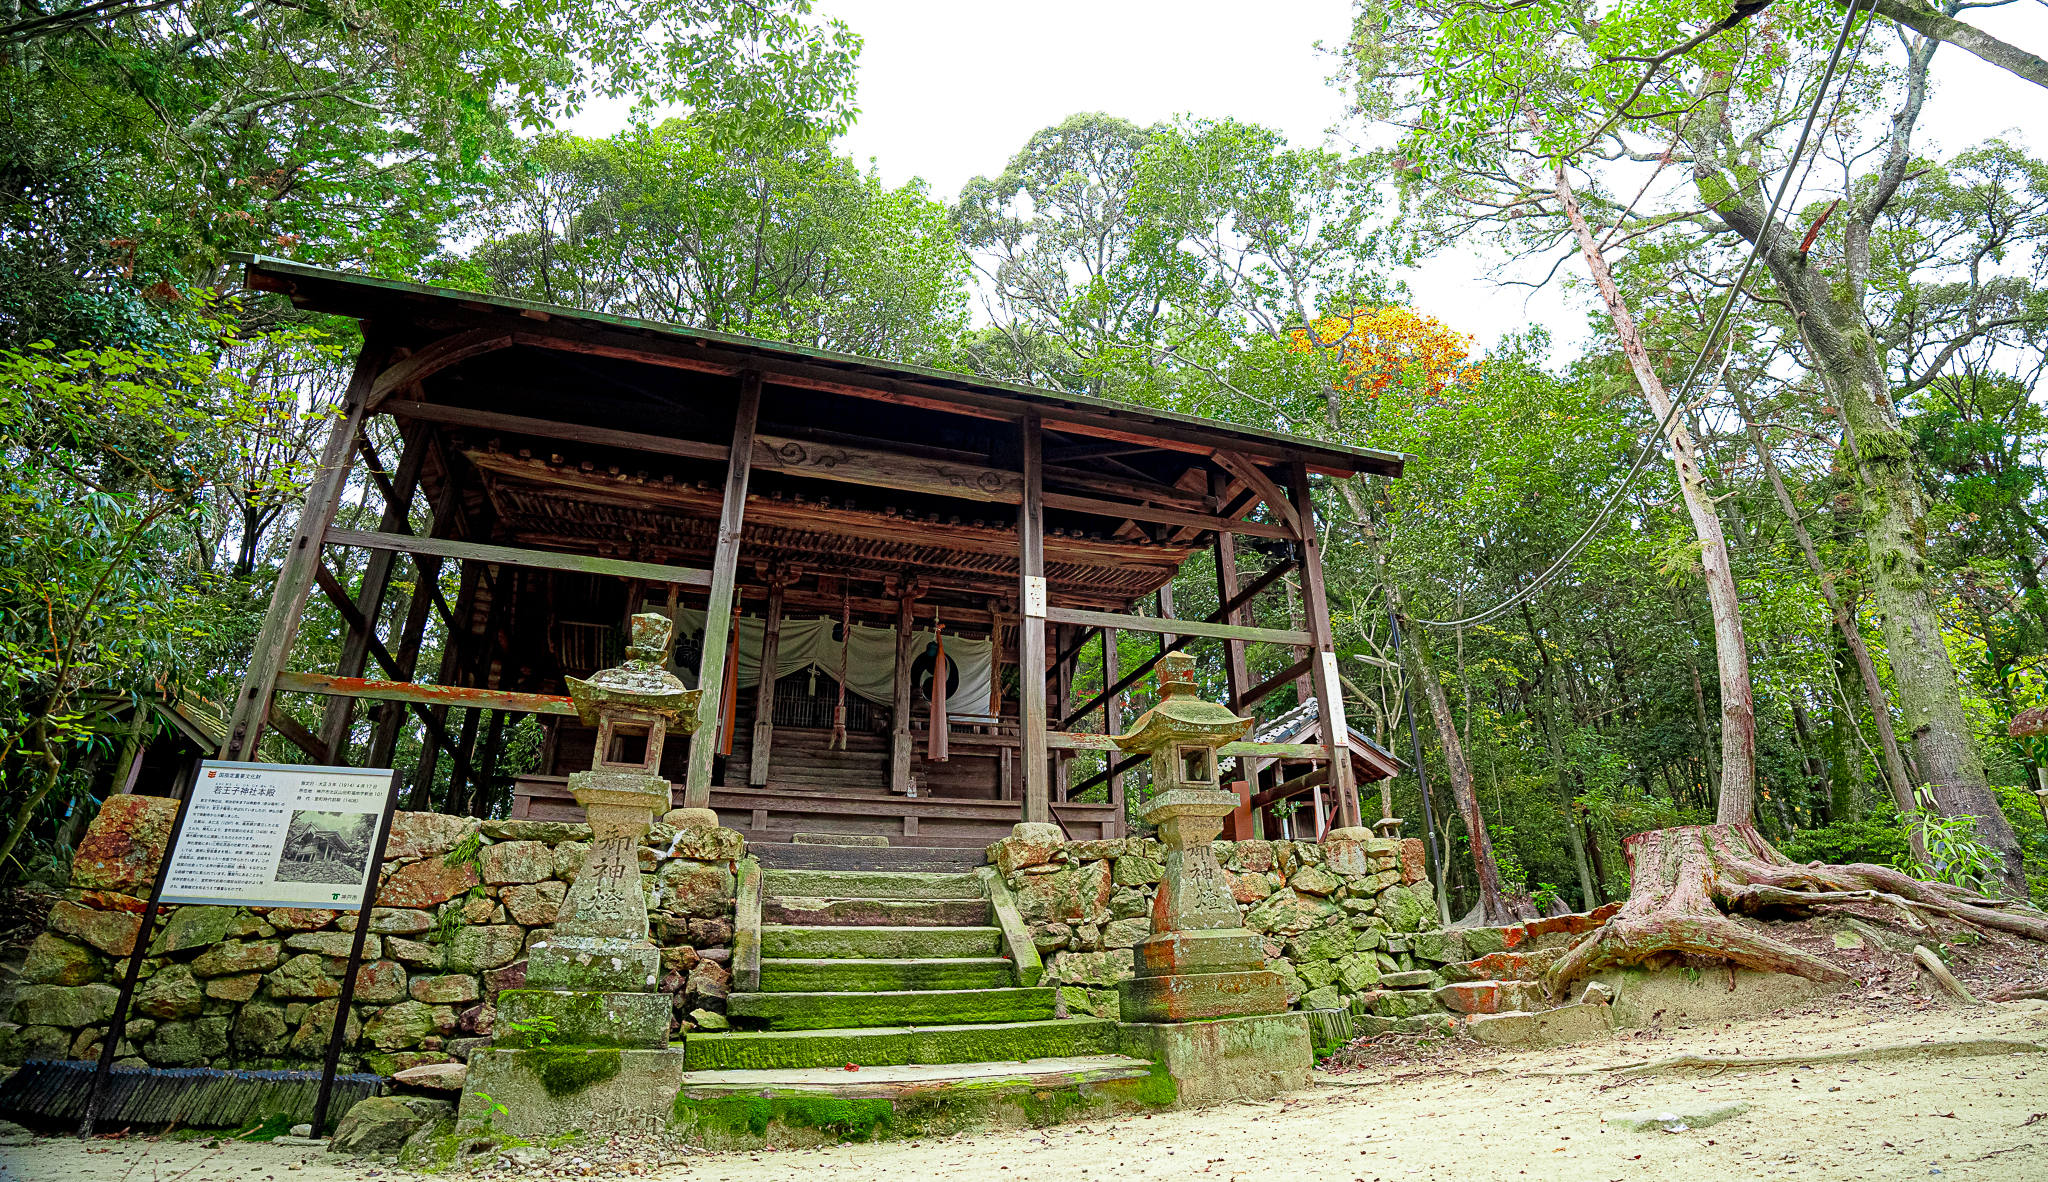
(950, 91)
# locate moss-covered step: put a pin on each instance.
(814, 911)
(884, 1046)
(783, 940)
(832, 974)
(870, 884)
(830, 1011)
(795, 1108)
(545, 1091)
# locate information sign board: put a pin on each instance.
(279, 835)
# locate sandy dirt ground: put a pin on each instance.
(1463, 1115)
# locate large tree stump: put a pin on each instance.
(1685, 881)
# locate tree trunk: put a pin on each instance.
(1493, 905)
(1827, 301)
(1840, 607)
(1589, 894)
(1737, 795)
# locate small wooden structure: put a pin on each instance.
(896, 529)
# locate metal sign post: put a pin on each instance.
(355, 960)
(119, 1027)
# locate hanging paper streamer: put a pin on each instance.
(838, 742)
(935, 745)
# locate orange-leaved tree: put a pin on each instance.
(1388, 346)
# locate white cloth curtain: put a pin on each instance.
(870, 658)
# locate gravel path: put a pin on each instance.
(1460, 1116)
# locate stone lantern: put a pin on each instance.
(1200, 962)
(600, 940)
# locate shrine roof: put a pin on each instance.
(398, 301)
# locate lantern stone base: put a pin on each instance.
(545, 1091)
(1195, 997)
(1246, 1058)
(583, 1018)
(1216, 950)
(606, 964)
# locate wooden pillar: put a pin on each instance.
(339, 713)
(1165, 600)
(764, 691)
(901, 706)
(1113, 721)
(1236, 672)
(1323, 670)
(1063, 702)
(273, 645)
(1031, 621)
(725, 570)
(487, 766)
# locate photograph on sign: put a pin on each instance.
(278, 835)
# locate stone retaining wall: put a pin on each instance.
(459, 901)
(1333, 917)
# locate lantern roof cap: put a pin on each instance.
(1180, 716)
(641, 684)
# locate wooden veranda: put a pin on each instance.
(825, 525)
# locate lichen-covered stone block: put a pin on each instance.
(425, 884)
(112, 932)
(124, 845)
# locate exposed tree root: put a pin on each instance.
(1686, 879)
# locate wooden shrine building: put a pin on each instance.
(835, 537)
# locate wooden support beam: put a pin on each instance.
(1304, 752)
(426, 595)
(725, 569)
(1102, 508)
(295, 577)
(1236, 670)
(351, 616)
(461, 416)
(1179, 629)
(1264, 689)
(516, 556)
(305, 740)
(1181, 641)
(339, 716)
(432, 695)
(1323, 673)
(436, 357)
(1112, 707)
(1276, 501)
(1063, 700)
(1123, 486)
(1116, 768)
(1163, 600)
(764, 688)
(1292, 788)
(1032, 603)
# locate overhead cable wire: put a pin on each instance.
(1680, 396)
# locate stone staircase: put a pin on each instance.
(891, 987)
(853, 851)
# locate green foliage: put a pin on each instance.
(1954, 855)
(676, 222)
(1877, 839)
(537, 1031)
